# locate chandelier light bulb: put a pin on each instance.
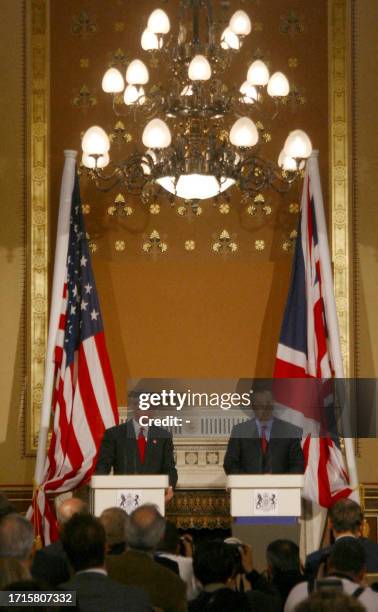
(298, 145)
(156, 135)
(229, 40)
(244, 133)
(249, 92)
(278, 85)
(240, 23)
(90, 162)
(199, 69)
(112, 81)
(287, 163)
(149, 41)
(95, 141)
(137, 73)
(133, 95)
(187, 91)
(158, 22)
(197, 186)
(258, 73)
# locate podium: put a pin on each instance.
(127, 492)
(265, 507)
(265, 495)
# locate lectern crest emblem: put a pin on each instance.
(265, 502)
(129, 500)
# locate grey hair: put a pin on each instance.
(145, 534)
(16, 537)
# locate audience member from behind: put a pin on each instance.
(345, 521)
(83, 539)
(12, 570)
(50, 564)
(284, 566)
(17, 539)
(215, 568)
(330, 601)
(136, 566)
(169, 547)
(114, 522)
(345, 572)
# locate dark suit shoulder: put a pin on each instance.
(240, 430)
(116, 430)
(159, 432)
(284, 429)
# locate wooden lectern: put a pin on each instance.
(265, 507)
(127, 492)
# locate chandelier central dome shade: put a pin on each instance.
(201, 136)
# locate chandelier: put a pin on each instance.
(190, 150)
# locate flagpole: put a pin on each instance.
(61, 248)
(330, 308)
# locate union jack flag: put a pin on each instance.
(306, 351)
(84, 400)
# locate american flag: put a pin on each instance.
(84, 400)
(306, 352)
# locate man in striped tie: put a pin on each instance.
(131, 448)
(264, 443)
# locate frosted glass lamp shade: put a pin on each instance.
(187, 91)
(90, 162)
(258, 73)
(229, 40)
(168, 183)
(240, 23)
(244, 133)
(112, 81)
(95, 141)
(149, 41)
(278, 85)
(156, 135)
(137, 73)
(199, 69)
(298, 145)
(249, 92)
(133, 95)
(287, 163)
(158, 22)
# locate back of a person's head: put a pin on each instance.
(16, 537)
(68, 508)
(330, 601)
(5, 506)
(12, 570)
(214, 561)
(283, 556)
(171, 539)
(348, 557)
(346, 515)
(83, 539)
(114, 522)
(144, 528)
(227, 599)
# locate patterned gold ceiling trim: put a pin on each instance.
(38, 86)
(339, 51)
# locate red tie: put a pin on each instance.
(141, 445)
(264, 441)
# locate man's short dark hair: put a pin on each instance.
(170, 539)
(213, 562)
(283, 556)
(346, 515)
(83, 539)
(347, 557)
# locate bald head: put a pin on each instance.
(145, 528)
(114, 522)
(68, 508)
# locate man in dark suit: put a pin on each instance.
(83, 539)
(264, 444)
(50, 564)
(132, 448)
(345, 520)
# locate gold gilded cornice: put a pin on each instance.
(38, 149)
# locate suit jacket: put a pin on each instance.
(319, 556)
(119, 451)
(96, 592)
(50, 565)
(283, 455)
(166, 590)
